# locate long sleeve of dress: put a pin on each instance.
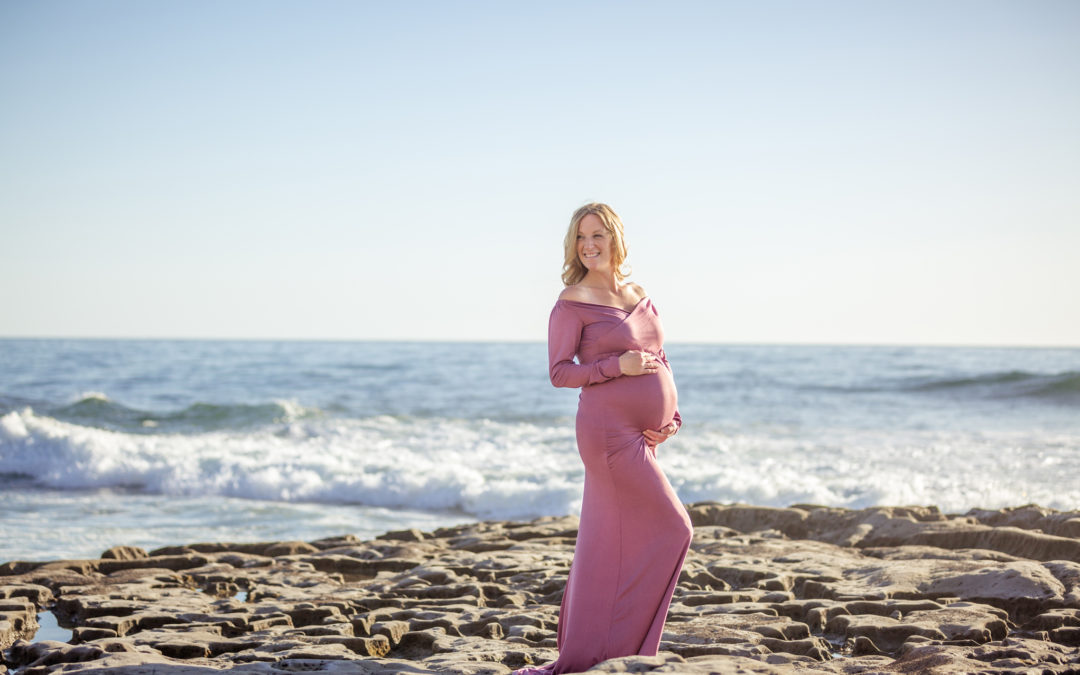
(564, 336)
(677, 417)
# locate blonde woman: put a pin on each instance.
(634, 531)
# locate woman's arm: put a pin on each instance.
(564, 335)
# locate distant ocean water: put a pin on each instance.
(153, 442)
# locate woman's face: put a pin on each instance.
(593, 243)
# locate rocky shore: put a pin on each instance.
(805, 589)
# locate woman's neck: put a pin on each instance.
(601, 280)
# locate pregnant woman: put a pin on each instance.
(634, 531)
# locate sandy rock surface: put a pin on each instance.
(764, 590)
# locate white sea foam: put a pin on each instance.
(478, 467)
(292, 410)
(90, 395)
(857, 468)
(518, 470)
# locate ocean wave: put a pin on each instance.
(95, 409)
(1063, 386)
(477, 467)
(490, 469)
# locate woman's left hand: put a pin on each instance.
(655, 438)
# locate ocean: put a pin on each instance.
(155, 442)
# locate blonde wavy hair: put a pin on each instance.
(573, 269)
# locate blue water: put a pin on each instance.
(153, 442)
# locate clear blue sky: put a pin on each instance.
(852, 172)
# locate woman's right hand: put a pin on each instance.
(636, 362)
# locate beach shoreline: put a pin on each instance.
(768, 590)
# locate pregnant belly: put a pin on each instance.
(636, 402)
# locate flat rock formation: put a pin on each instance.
(806, 589)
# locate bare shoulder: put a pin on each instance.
(575, 293)
(637, 289)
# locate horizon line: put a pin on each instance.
(719, 343)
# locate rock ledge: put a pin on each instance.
(763, 590)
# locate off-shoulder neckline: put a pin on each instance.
(596, 304)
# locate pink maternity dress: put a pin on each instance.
(634, 531)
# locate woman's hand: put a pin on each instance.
(655, 438)
(636, 362)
